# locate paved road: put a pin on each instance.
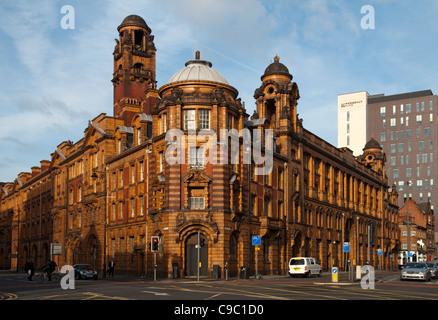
(15, 286)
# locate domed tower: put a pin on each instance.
(277, 100)
(373, 156)
(201, 191)
(134, 70)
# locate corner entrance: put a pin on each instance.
(192, 256)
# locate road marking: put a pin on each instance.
(7, 296)
(214, 296)
(157, 293)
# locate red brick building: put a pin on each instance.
(419, 235)
(103, 197)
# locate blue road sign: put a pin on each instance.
(379, 252)
(256, 240)
(346, 247)
(335, 270)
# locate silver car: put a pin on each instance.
(416, 271)
(433, 266)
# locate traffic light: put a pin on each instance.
(155, 240)
(202, 242)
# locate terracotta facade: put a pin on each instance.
(104, 196)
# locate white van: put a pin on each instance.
(304, 266)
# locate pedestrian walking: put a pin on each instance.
(111, 266)
(30, 270)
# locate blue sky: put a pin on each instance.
(52, 81)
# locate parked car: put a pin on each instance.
(433, 266)
(416, 271)
(304, 266)
(85, 271)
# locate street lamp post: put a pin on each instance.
(95, 177)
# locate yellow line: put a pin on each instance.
(8, 296)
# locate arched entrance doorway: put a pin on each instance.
(191, 258)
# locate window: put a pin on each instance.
(421, 146)
(408, 134)
(121, 209)
(401, 109)
(422, 105)
(395, 173)
(79, 194)
(132, 174)
(121, 177)
(404, 233)
(141, 171)
(196, 157)
(401, 186)
(384, 123)
(197, 203)
(204, 119)
(139, 136)
(393, 122)
(160, 161)
(430, 105)
(393, 148)
(419, 118)
(431, 144)
(189, 120)
(382, 136)
(424, 158)
(132, 207)
(141, 199)
(114, 180)
(431, 118)
(408, 172)
(417, 106)
(164, 123)
(393, 160)
(113, 212)
(394, 109)
(382, 111)
(348, 115)
(348, 140)
(427, 131)
(401, 147)
(408, 108)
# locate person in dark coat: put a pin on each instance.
(111, 266)
(30, 270)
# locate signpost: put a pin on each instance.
(380, 254)
(335, 275)
(256, 241)
(346, 249)
(55, 250)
